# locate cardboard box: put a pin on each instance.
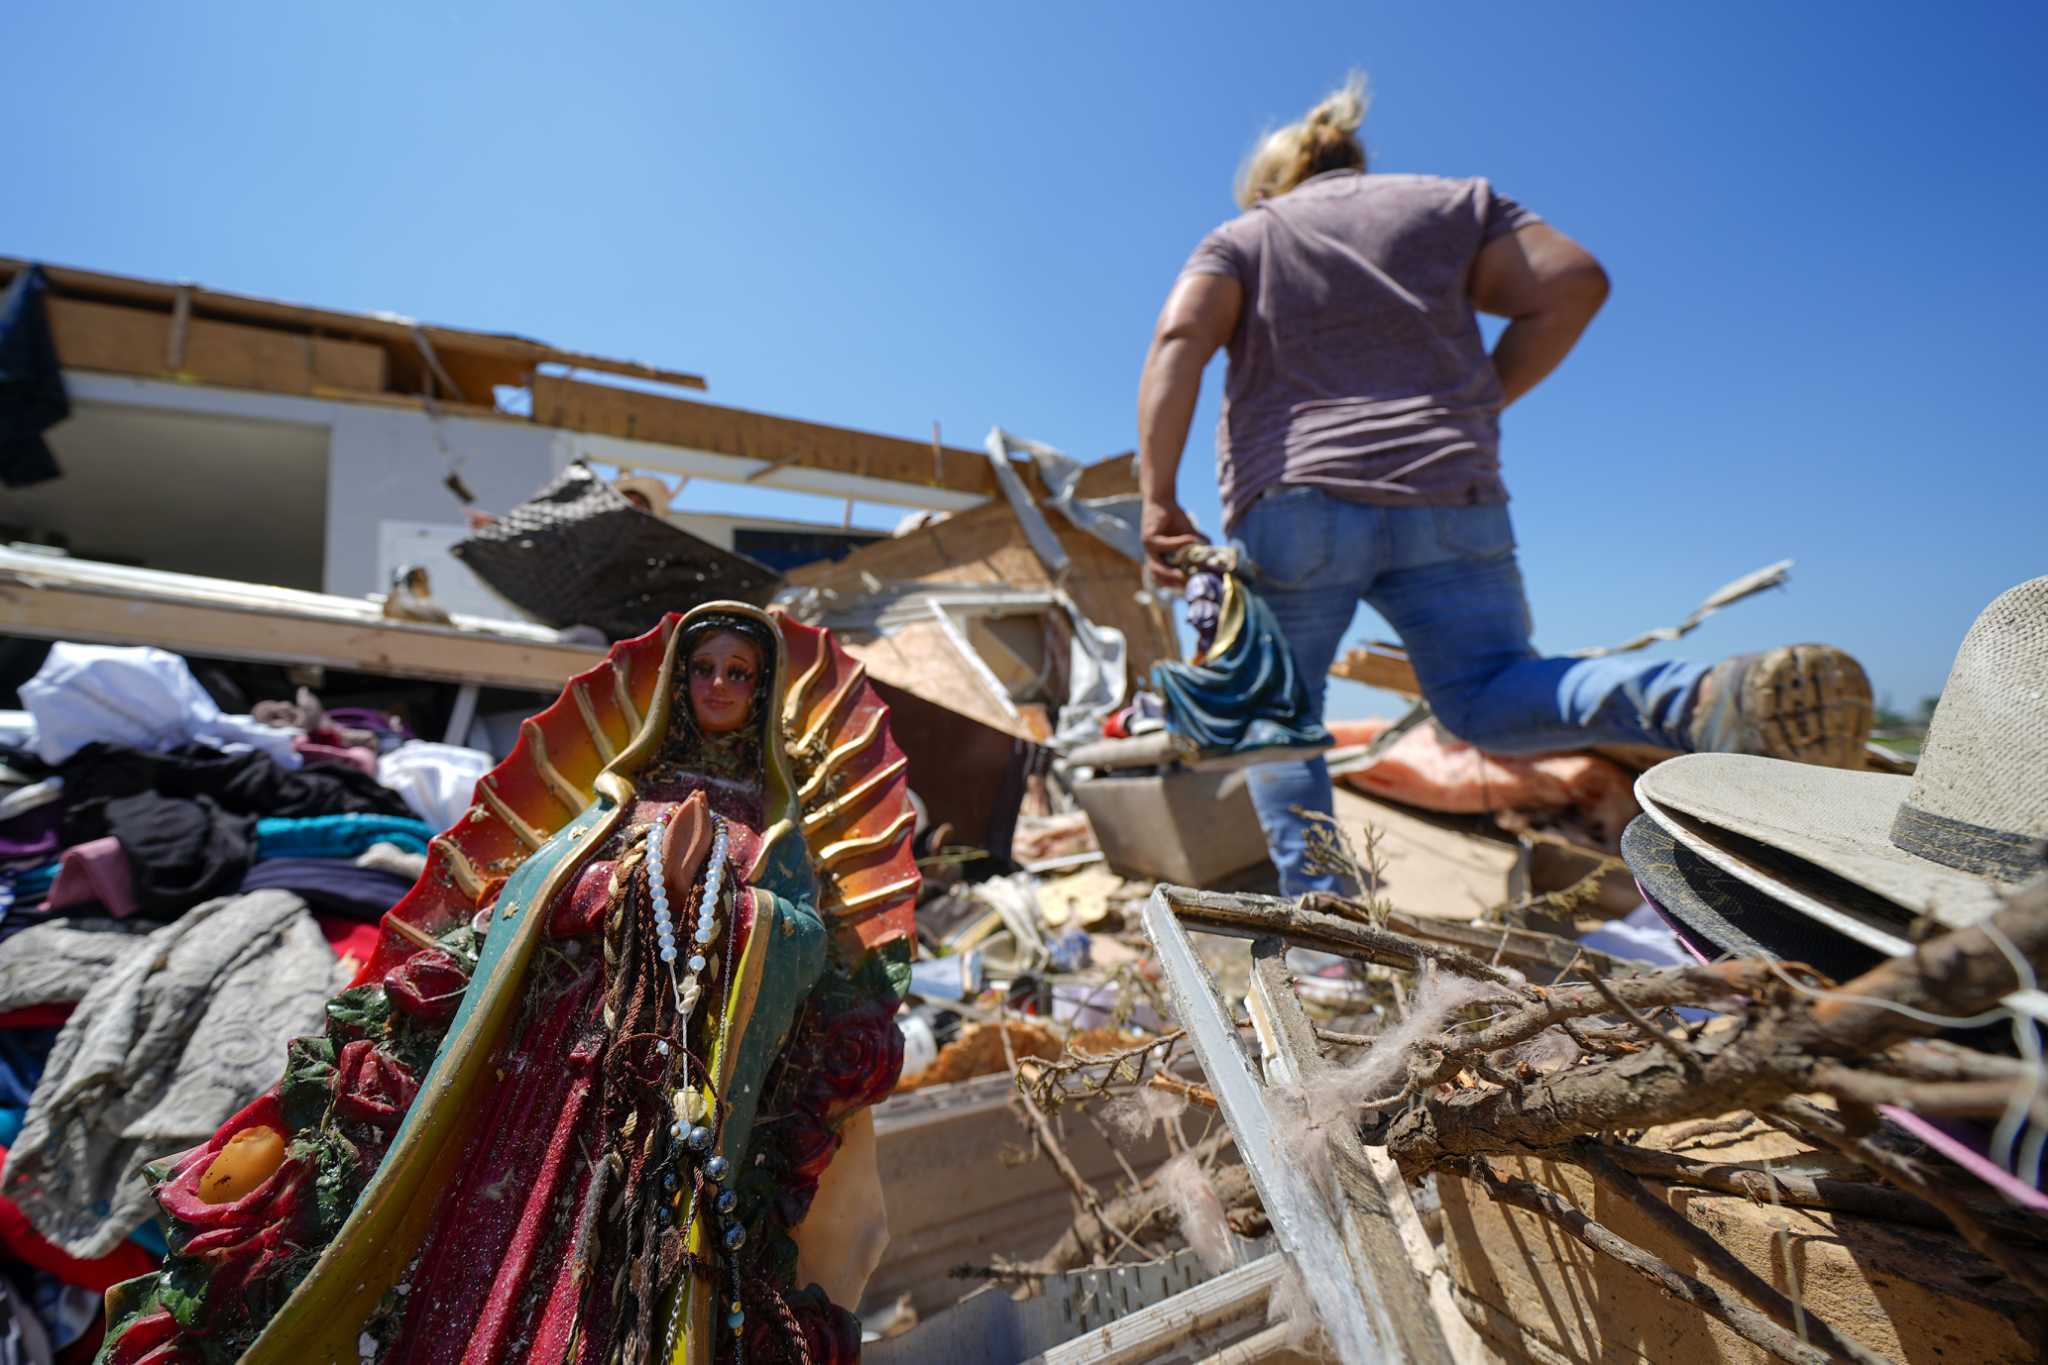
(1187, 828)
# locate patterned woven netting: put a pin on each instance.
(578, 553)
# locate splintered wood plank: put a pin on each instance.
(1378, 665)
(1373, 1309)
(1382, 1233)
(1233, 1305)
(60, 599)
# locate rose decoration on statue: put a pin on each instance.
(807, 1144)
(831, 1334)
(427, 987)
(195, 1200)
(860, 1057)
(370, 1086)
(150, 1340)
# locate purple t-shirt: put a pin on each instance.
(1357, 364)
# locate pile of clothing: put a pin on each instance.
(180, 893)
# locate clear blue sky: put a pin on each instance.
(1823, 222)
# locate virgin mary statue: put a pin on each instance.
(600, 1095)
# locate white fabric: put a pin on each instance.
(1639, 936)
(18, 729)
(140, 698)
(22, 800)
(1096, 676)
(1043, 542)
(437, 780)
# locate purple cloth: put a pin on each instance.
(32, 835)
(1357, 365)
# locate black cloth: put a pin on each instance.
(24, 1052)
(32, 397)
(245, 783)
(181, 850)
(187, 819)
(331, 886)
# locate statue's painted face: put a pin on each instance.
(725, 669)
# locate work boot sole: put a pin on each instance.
(1809, 704)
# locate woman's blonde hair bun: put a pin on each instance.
(1324, 139)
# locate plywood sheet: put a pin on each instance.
(920, 657)
(986, 546)
(476, 360)
(1433, 868)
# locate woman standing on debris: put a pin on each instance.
(1358, 459)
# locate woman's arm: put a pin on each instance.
(1550, 287)
(1199, 316)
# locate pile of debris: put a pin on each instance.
(1522, 1126)
(1497, 1103)
(181, 890)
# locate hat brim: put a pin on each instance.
(1850, 910)
(1727, 914)
(1836, 820)
(1875, 923)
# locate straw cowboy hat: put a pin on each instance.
(1867, 853)
(657, 493)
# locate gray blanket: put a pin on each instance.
(175, 1030)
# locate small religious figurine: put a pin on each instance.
(600, 1096)
(1240, 695)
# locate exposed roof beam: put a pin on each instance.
(768, 443)
(497, 356)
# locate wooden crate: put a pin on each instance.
(105, 336)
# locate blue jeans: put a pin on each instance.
(1446, 580)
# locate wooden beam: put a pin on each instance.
(55, 598)
(1374, 1304)
(1112, 476)
(1377, 664)
(476, 359)
(104, 336)
(775, 441)
(1383, 1236)
(630, 369)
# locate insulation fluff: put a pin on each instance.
(1289, 1304)
(1380, 1072)
(1202, 1223)
(1376, 1077)
(1137, 1114)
